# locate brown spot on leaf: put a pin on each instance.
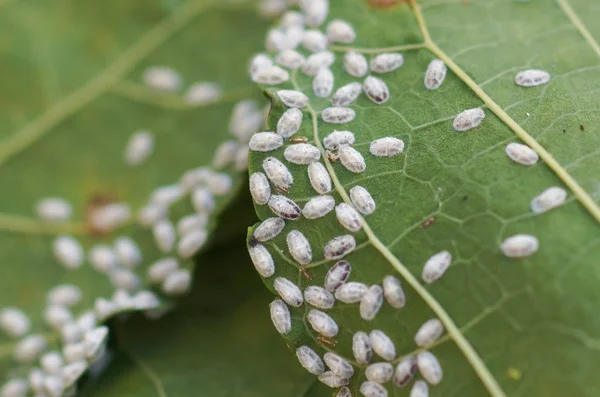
(386, 3)
(305, 273)
(428, 222)
(97, 201)
(324, 340)
(581, 127)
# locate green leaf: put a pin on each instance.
(513, 326)
(73, 95)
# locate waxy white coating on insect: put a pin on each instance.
(314, 40)
(310, 360)
(202, 93)
(105, 308)
(128, 252)
(382, 345)
(292, 99)
(265, 142)
(361, 348)
(280, 316)
(386, 62)
(52, 362)
(355, 64)
(72, 372)
(435, 74)
(344, 392)
(318, 297)
(436, 266)
(36, 380)
(521, 154)
(338, 115)
(532, 78)
(337, 275)
(246, 119)
(346, 94)
(430, 368)
(372, 389)
(14, 322)
(319, 177)
(190, 243)
(57, 316)
(379, 372)
(292, 18)
(429, 332)
(337, 139)
(145, 300)
(288, 291)
(550, 198)
(64, 295)
(330, 379)
(219, 183)
(315, 11)
(203, 200)
(68, 251)
(192, 222)
(166, 195)
(269, 229)
(225, 154)
(262, 260)
(150, 214)
(103, 258)
(323, 83)
(73, 352)
(351, 292)
(322, 323)
(291, 59)
(95, 341)
(271, 75)
(71, 333)
(338, 365)
(125, 279)
(258, 62)
(283, 207)
(348, 217)
(54, 385)
(260, 190)
(520, 246)
(386, 147)
(196, 176)
(177, 282)
(278, 173)
(371, 302)
(302, 153)
(339, 31)
(29, 348)
(162, 78)
(316, 61)
(405, 371)
(299, 247)
(318, 207)
(468, 119)
(160, 269)
(139, 147)
(54, 209)
(276, 40)
(376, 89)
(393, 292)
(164, 235)
(352, 160)
(16, 387)
(110, 216)
(240, 162)
(87, 321)
(419, 389)
(289, 123)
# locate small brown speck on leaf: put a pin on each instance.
(428, 222)
(305, 273)
(323, 340)
(581, 127)
(386, 3)
(96, 201)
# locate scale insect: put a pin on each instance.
(265, 142)
(310, 360)
(550, 198)
(290, 59)
(323, 83)
(302, 153)
(260, 190)
(278, 173)
(292, 99)
(262, 260)
(319, 177)
(361, 348)
(299, 247)
(338, 365)
(352, 160)
(379, 372)
(393, 292)
(532, 78)
(405, 371)
(318, 207)
(68, 251)
(289, 123)
(280, 316)
(322, 323)
(435, 74)
(284, 208)
(468, 119)
(339, 246)
(316, 61)
(339, 31)
(430, 367)
(362, 200)
(347, 94)
(521, 154)
(436, 266)
(355, 64)
(372, 389)
(314, 40)
(386, 147)
(351, 292)
(387, 62)
(269, 229)
(54, 209)
(337, 275)
(382, 345)
(520, 246)
(319, 297)
(288, 291)
(376, 89)
(429, 332)
(371, 302)
(337, 139)
(348, 217)
(338, 115)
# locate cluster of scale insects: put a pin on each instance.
(302, 29)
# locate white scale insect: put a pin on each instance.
(379, 372)
(271, 75)
(258, 62)
(361, 348)
(288, 291)
(355, 64)
(468, 119)
(125, 279)
(150, 214)
(160, 269)
(166, 195)
(330, 379)
(280, 315)
(550, 198)
(337, 139)
(322, 323)
(351, 292)
(64, 295)
(16, 387)
(314, 40)
(291, 59)
(245, 120)
(521, 154)
(54, 209)
(219, 183)
(162, 78)
(420, 389)
(265, 142)
(372, 389)
(386, 62)
(292, 18)
(293, 99)
(352, 160)
(259, 188)
(36, 379)
(57, 316)
(382, 345)
(338, 247)
(29, 348)
(241, 158)
(319, 297)
(429, 332)
(110, 216)
(323, 83)
(386, 147)
(430, 368)
(269, 229)
(338, 365)
(435, 74)
(405, 371)
(376, 90)
(338, 115)
(191, 243)
(177, 282)
(346, 94)
(203, 200)
(532, 78)
(128, 252)
(339, 31)
(319, 177)
(68, 251)
(393, 292)
(299, 247)
(337, 275)
(436, 266)
(315, 10)
(289, 123)
(310, 360)
(316, 61)
(52, 362)
(276, 40)
(225, 154)
(371, 302)
(71, 333)
(14, 322)
(348, 217)
(302, 153)
(283, 207)
(520, 246)
(202, 93)
(164, 235)
(344, 392)
(318, 207)
(278, 173)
